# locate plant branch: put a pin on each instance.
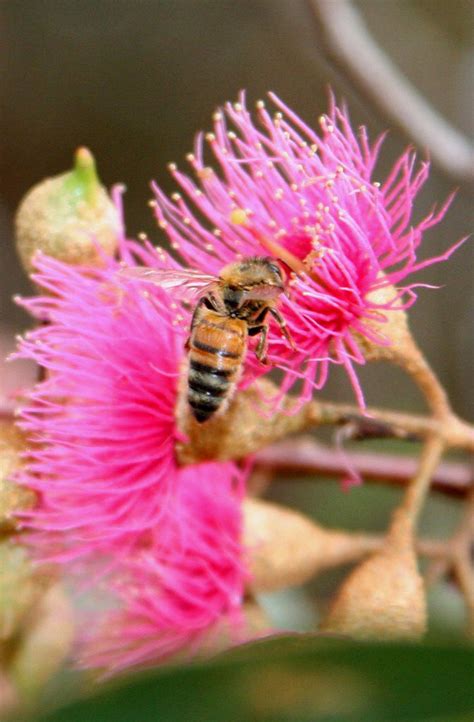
(417, 489)
(252, 413)
(462, 549)
(357, 56)
(305, 457)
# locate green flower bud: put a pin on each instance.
(67, 217)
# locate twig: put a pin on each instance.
(305, 456)
(356, 54)
(454, 432)
(251, 413)
(462, 549)
(457, 561)
(418, 487)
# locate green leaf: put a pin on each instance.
(300, 678)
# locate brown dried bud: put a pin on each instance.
(67, 216)
(393, 325)
(384, 597)
(44, 643)
(13, 498)
(286, 549)
(20, 587)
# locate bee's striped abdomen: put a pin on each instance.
(217, 348)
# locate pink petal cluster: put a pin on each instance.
(115, 508)
(280, 188)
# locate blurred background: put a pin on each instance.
(136, 79)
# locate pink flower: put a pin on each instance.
(310, 198)
(183, 583)
(115, 507)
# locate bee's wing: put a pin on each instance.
(187, 284)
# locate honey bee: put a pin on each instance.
(230, 308)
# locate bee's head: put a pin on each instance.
(258, 278)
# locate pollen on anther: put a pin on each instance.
(163, 224)
(152, 203)
(172, 167)
(176, 196)
(143, 236)
(205, 173)
(260, 104)
(238, 216)
(190, 157)
(210, 137)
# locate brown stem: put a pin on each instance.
(462, 549)
(411, 359)
(356, 54)
(305, 457)
(258, 426)
(418, 487)
(455, 432)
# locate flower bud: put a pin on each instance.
(20, 587)
(68, 217)
(45, 642)
(286, 549)
(13, 498)
(383, 598)
(393, 325)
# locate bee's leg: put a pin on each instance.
(262, 346)
(213, 302)
(282, 323)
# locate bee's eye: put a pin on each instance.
(275, 268)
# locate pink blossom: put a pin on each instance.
(311, 198)
(183, 582)
(115, 507)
